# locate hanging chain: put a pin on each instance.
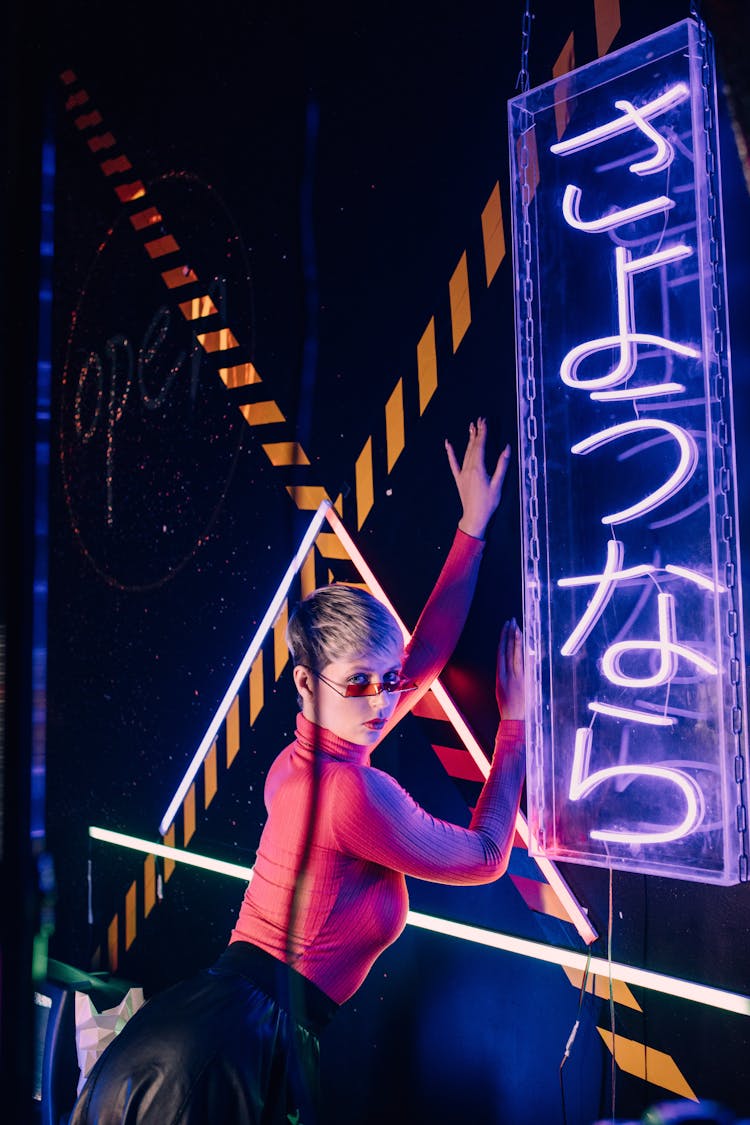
(722, 391)
(522, 82)
(532, 616)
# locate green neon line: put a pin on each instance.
(538, 951)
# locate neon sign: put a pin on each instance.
(632, 595)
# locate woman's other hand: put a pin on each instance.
(510, 686)
(478, 491)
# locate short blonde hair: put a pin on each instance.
(338, 622)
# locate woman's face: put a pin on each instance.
(358, 719)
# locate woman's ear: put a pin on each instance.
(303, 681)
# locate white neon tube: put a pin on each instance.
(651, 718)
(538, 951)
(177, 854)
(572, 214)
(569, 958)
(684, 471)
(625, 267)
(695, 576)
(601, 597)
(651, 390)
(244, 668)
(671, 97)
(582, 783)
(664, 154)
(667, 646)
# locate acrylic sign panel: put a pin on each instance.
(633, 615)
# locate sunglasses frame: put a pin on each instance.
(366, 691)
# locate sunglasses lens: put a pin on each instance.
(371, 688)
(357, 691)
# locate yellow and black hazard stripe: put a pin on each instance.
(220, 343)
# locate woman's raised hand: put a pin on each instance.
(510, 686)
(478, 491)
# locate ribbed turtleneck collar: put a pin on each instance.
(314, 739)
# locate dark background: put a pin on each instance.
(330, 164)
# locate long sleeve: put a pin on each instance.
(441, 621)
(372, 818)
(497, 808)
(367, 835)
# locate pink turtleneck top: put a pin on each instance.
(328, 892)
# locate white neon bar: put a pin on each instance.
(244, 668)
(696, 577)
(538, 951)
(625, 267)
(651, 718)
(569, 958)
(664, 154)
(572, 214)
(684, 471)
(653, 390)
(177, 854)
(671, 97)
(548, 869)
(582, 783)
(667, 646)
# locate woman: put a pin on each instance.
(238, 1043)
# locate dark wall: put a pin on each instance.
(24, 73)
(326, 167)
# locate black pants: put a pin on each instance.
(236, 1044)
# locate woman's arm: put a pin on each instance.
(377, 820)
(496, 810)
(479, 493)
(442, 620)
